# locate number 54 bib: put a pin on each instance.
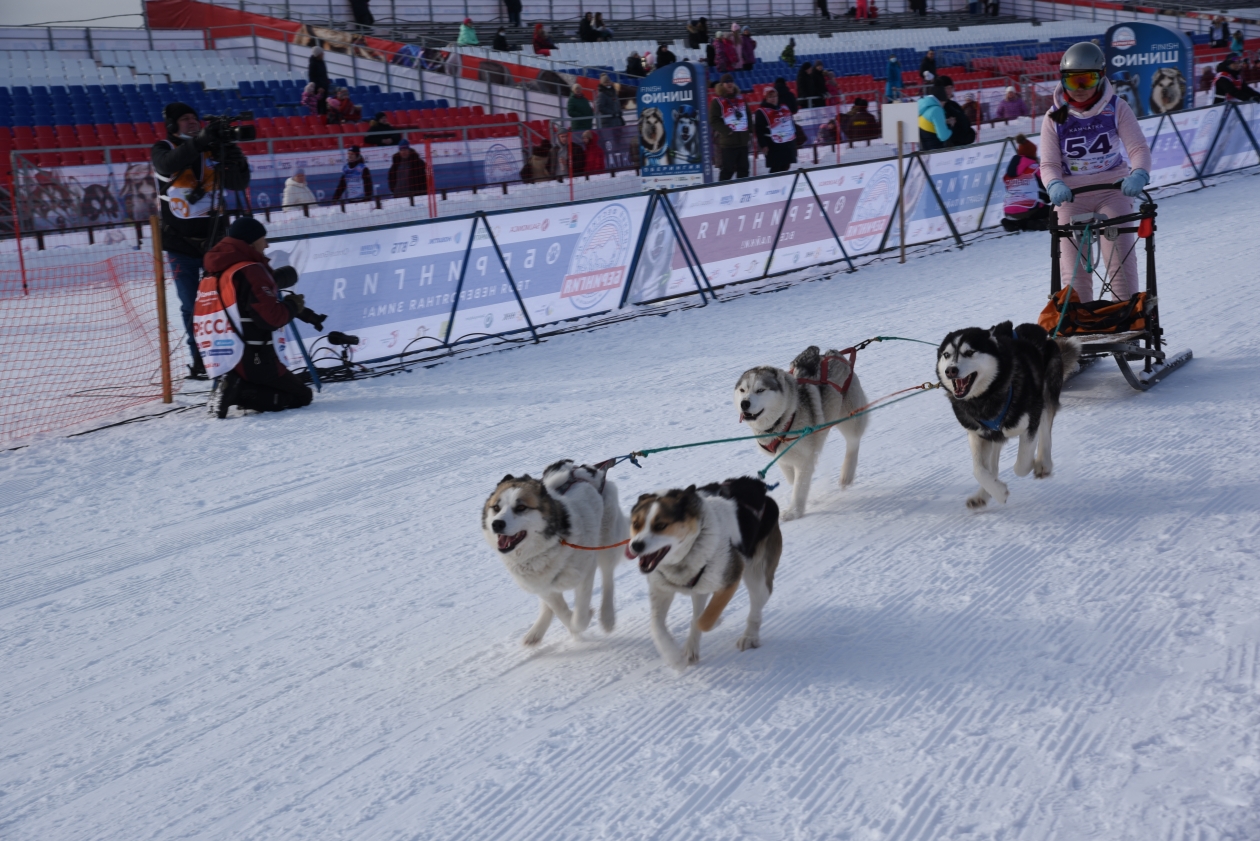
(1091, 144)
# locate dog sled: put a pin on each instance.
(1127, 331)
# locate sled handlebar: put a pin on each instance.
(1093, 188)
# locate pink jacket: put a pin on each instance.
(1127, 127)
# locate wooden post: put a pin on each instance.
(159, 274)
(901, 189)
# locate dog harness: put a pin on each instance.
(823, 379)
(772, 446)
(996, 424)
(574, 478)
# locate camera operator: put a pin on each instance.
(259, 381)
(192, 167)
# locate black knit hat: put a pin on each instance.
(171, 114)
(247, 229)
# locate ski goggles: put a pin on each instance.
(1081, 80)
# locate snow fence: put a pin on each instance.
(418, 290)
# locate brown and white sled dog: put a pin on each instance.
(699, 542)
(773, 400)
(528, 522)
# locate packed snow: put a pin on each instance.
(289, 626)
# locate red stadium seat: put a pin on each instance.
(91, 157)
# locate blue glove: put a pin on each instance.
(1134, 182)
(1059, 192)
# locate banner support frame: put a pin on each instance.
(1220, 129)
(1184, 148)
(1243, 122)
(843, 251)
(508, 272)
(638, 250)
(796, 177)
(984, 211)
(681, 234)
(678, 237)
(459, 287)
(949, 220)
(159, 272)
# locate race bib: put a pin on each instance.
(1091, 144)
(217, 323)
(1022, 195)
(734, 113)
(782, 129)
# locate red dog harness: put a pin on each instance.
(823, 379)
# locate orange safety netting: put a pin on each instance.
(78, 342)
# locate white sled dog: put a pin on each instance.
(819, 389)
(534, 526)
(699, 542)
(1005, 382)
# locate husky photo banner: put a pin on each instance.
(674, 145)
(1151, 67)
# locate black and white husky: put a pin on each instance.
(1002, 383)
(535, 526)
(819, 389)
(699, 542)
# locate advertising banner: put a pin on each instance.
(1151, 67)
(57, 198)
(396, 289)
(674, 144)
(1233, 149)
(968, 181)
(807, 238)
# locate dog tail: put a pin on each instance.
(1070, 353)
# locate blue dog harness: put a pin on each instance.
(996, 424)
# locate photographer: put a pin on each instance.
(192, 168)
(259, 381)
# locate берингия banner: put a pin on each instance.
(1150, 67)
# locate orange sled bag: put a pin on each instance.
(1094, 317)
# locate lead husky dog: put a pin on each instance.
(773, 400)
(699, 542)
(535, 525)
(1003, 383)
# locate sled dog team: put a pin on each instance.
(553, 533)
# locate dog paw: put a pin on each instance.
(690, 654)
(1042, 469)
(748, 641)
(979, 500)
(789, 514)
(533, 638)
(607, 620)
(1003, 493)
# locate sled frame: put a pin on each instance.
(1146, 346)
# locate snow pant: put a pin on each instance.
(1119, 257)
(780, 156)
(186, 272)
(732, 162)
(266, 385)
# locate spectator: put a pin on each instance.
(1250, 71)
(467, 35)
(408, 174)
(581, 114)
(919, 7)
(860, 9)
(649, 61)
(695, 37)
(892, 87)
(1027, 205)
(927, 67)
(1236, 43)
(935, 129)
(296, 191)
(873, 12)
(362, 14)
(807, 87)
(664, 56)
(776, 132)
(313, 99)
(832, 85)
(1206, 80)
(259, 382)
(1229, 86)
(1011, 107)
(350, 112)
(971, 109)
(786, 97)
(317, 71)
(593, 154)
(822, 9)
(728, 118)
(726, 53)
(634, 66)
(859, 123)
(381, 133)
(605, 31)
(187, 179)
(513, 8)
(961, 132)
(788, 56)
(586, 29)
(500, 41)
(608, 104)
(538, 166)
(710, 55)
(747, 48)
(332, 111)
(1219, 33)
(543, 45)
(356, 178)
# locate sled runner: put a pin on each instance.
(1127, 331)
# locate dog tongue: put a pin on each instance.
(506, 540)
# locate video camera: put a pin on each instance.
(222, 129)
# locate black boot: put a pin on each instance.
(197, 370)
(224, 395)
